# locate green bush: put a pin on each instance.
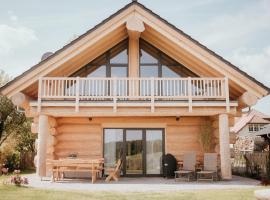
(13, 161)
(9, 156)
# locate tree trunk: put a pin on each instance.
(1, 130)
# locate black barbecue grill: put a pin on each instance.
(169, 165)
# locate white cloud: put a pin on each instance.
(232, 30)
(13, 37)
(256, 64)
(12, 16)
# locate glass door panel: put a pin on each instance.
(113, 147)
(154, 151)
(134, 152)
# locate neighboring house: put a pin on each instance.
(246, 129)
(264, 133)
(135, 86)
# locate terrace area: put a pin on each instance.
(142, 184)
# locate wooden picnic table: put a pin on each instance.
(93, 166)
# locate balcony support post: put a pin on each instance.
(224, 142)
(43, 131)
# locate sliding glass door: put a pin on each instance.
(113, 146)
(140, 150)
(154, 151)
(134, 152)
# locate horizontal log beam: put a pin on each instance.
(132, 111)
(247, 100)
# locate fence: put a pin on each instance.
(252, 164)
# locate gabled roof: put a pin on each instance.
(253, 116)
(264, 90)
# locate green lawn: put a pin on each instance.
(24, 193)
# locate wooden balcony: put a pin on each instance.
(132, 92)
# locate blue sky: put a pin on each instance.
(237, 30)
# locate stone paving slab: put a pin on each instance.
(151, 184)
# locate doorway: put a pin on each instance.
(140, 149)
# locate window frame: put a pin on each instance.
(161, 61)
(108, 64)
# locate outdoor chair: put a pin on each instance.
(114, 173)
(189, 166)
(210, 169)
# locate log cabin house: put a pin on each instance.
(136, 86)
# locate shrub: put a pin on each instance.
(17, 179)
(206, 137)
(10, 157)
(13, 160)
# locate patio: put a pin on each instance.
(152, 184)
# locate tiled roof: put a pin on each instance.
(253, 116)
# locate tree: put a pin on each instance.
(16, 140)
(4, 78)
(11, 120)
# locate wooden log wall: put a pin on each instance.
(184, 136)
(84, 136)
(52, 140)
(78, 136)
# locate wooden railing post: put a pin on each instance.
(77, 100)
(227, 94)
(189, 95)
(114, 94)
(152, 94)
(39, 94)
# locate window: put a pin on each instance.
(168, 72)
(99, 72)
(146, 58)
(113, 63)
(154, 63)
(113, 146)
(255, 127)
(149, 71)
(121, 58)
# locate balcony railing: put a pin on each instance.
(125, 89)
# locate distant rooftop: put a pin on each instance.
(252, 117)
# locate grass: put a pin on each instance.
(24, 193)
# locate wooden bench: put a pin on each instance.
(59, 167)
